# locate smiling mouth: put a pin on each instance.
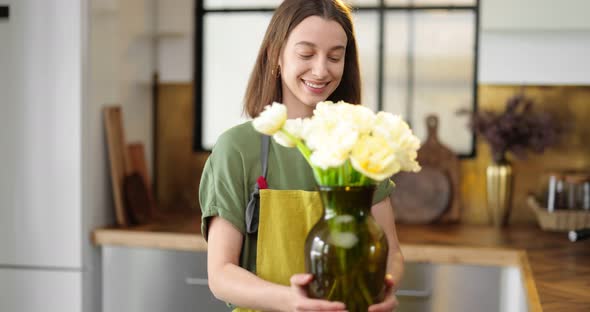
(315, 85)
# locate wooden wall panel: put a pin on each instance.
(178, 168)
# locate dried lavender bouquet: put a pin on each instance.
(518, 129)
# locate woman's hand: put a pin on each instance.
(390, 303)
(300, 302)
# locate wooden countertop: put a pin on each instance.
(556, 272)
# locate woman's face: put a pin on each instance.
(312, 63)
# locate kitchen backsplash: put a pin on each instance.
(178, 168)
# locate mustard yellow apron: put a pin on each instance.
(285, 218)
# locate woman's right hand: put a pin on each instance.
(300, 302)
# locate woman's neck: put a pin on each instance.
(299, 110)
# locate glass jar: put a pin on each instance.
(577, 186)
(556, 197)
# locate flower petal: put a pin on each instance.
(271, 119)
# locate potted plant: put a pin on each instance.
(517, 130)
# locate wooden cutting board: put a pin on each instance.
(118, 159)
(431, 195)
(138, 191)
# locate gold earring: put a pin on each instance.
(272, 72)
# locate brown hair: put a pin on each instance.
(264, 85)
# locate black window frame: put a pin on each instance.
(381, 9)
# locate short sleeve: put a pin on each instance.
(383, 190)
(222, 191)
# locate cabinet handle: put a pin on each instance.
(194, 281)
(413, 293)
(4, 12)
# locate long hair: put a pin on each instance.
(264, 85)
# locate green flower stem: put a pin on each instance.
(349, 171)
(344, 175)
(335, 286)
(364, 291)
(305, 151)
(363, 180)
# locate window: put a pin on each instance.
(418, 57)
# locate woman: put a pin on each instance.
(308, 55)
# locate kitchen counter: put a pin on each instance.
(556, 273)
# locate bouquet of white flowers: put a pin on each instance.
(345, 144)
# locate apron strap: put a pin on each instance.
(253, 208)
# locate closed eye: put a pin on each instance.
(305, 56)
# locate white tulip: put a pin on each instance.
(329, 158)
(292, 126)
(373, 157)
(271, 119)
(406, 150)
(400, 138)
(377, 145)
(358, 117)
(364, 118)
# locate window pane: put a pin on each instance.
(366, 28)
(443, 74)
(430, 2)
(229, 53)
(444, 2)
(233, 4)
(395, 78)
(363, 2)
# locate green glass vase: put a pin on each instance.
(346, 250)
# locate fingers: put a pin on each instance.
(298, 282)
(319, 305)
(302, 303)
(390, 302)
(389, 280)
(388, 305)
(301, 279)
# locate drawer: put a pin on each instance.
(39, 290)
(156, 280)
(460, 287)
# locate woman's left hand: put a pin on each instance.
(390, 303)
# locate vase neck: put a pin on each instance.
(499, 157)
(355, 201)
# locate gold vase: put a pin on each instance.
(499, 192)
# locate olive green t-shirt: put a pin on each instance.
(231, 172)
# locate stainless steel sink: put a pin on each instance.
(458, 288)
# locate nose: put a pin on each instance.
(320, 67)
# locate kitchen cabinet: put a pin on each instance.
(502, 15)
(30, 290)
(155, 280)
(452, 287)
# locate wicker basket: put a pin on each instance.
(560, 220)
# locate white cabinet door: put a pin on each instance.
(40, 145)
(35, 291)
